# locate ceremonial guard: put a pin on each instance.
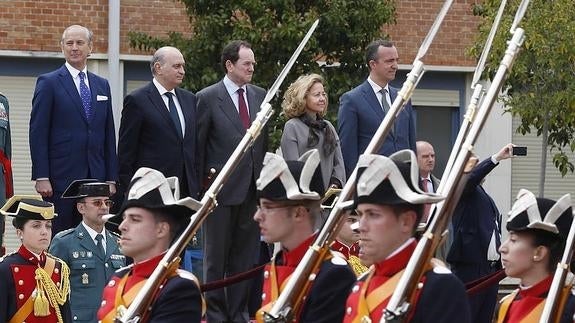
(347, 242)
(390, 205)
(91, 251)
(289, 194)
(6, 188)
(34, 285)
(538, 229)
(151, 218)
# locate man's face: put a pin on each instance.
(139, 234)
(346, 234)
(171, 70)
(242, 70)
(76, 47)
(381, 231)
(93, 209)
(275, 221)
(425, 159)
(383, 68)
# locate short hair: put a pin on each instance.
(294, 104)
(231, 52)
(371, 49)
(19, 223)
(89, 33)
(553, 242)
(176, 223)
(405, 207)
(158, 57)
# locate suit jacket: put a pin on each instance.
(64, 144)
(359, 116)
(220, 132)
(89, 271)
(474, 220)
(148, 137)
(6, 182)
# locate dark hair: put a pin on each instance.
(371, 49)
(19, 223)
(404, 207)
(553, 242)
(176, 223)
(232, 52)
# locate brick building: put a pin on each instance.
(30, 32)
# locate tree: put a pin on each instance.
(275, 28)
(541, 86)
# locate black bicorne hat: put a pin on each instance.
(150, 189)
(541, 214)
(292, 180)
(86, 188)
(30, 207)
(390, 180)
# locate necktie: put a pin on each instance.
(384, 103)
(174, 113)
(243, 109)
(427, 206)
(85, 96)
(99, 244)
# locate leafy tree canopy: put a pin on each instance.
(275, 28)
(541, 86)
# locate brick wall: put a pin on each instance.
(37, 25)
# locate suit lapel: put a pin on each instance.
(111, 244)
(228, 108)
(160, 106)
(371, 100)
(253, 105)
(187, 110)
(68, 84)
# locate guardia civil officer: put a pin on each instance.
(91, 251)
(34, 285)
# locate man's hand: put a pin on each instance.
(504, 153)
(44, 188)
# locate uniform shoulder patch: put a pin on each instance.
(439, 266)
(188, 275)
(338, 259)
(64, 233)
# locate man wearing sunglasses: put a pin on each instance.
(91, 251)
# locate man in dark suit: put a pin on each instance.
(477, 236)
(231, 237)
(362, 109)
(91, 251)
(72, 132)
(152, 133)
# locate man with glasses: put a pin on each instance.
(289, 194)
(91, 251)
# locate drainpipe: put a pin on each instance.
(115, 73)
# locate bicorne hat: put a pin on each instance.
(291, 180)
(30, 207)
(86, 188)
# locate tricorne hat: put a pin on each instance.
(292, 180)
(81, 188)
(532, 213)
(390, 180)
(150, 189)
(30, 207)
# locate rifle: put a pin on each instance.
(556, 298)
(291, 298)
(140, 305)
(401, 300)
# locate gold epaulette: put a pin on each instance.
(356, 265)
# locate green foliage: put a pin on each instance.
(275, 28)
(541, 85)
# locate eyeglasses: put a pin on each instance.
(269, 209)
(100, 203)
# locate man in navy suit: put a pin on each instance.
(155, 136)
(362, 109)
(477, 236)
(72, 132)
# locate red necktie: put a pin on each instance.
(427, 206)
(244, 116)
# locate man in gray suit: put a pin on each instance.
(231, 237)
(91, 251)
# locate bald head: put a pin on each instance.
(425, 158)
(167, 66)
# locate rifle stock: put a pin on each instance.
(139, 306)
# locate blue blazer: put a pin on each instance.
(359, 116)
(64, 145)
(474, 220)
